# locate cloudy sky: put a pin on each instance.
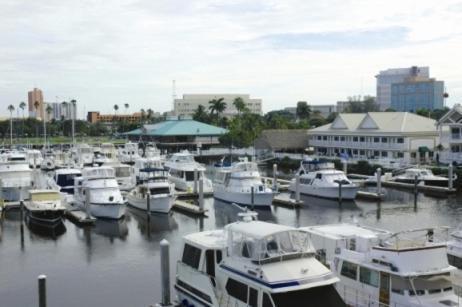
(104, 52)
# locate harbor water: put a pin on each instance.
(117, 263)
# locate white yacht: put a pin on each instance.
(321, 179)
(106, 153)
(253, 263)
(380, 268)
(65, 179)
(45, 206)
(16, 178)
(34, 157)
(455, 258)
(150, 151)
(105, 199)
(141, 164)
(242, 184)
(82, 154)
(181, 166)
(424, 176)
(48, 161)
(125, 175)
(128, 153)
(161, 191)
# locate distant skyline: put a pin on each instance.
(103, 53)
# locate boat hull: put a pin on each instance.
(50, 217)
(182, 185)
(348, 192)
(259, 199)
(107, 211)
(161, 204)
(14, 193)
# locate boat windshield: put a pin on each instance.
(246, 167)
(159, 190)
(325, 296)
(277, 246)
(421, 285)
(99, 173)
(46, 196)
(335, 177)
(184, 159)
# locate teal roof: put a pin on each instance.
(178, 127)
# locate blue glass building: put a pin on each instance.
(409, 96)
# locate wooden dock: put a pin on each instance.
(189, 208)
(186, 194)
(420, 187)
(286, 201)
(370, 195)
(79, 217)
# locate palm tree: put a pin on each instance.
(240, 106)
(201, 114)
(36, 106)
(11, 109)
(217, 106)
(116, 108)
(22, 105)
(126, 105)
(150, 114)
(48, 110)
(143, 115)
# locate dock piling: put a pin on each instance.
(345, 166)
(87, 202)
(42, 290)
(450, 176)
(379, 180)
(165, 271)
(297, 187)
(148, 203)
(195, 180)
(275, 179)
(201, 194)
(252, 196)
(340, 182)
(416, 181)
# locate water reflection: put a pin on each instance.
(153, 223)
(226, 213)
(112, 228)
(45, 230)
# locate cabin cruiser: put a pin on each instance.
(97, 189)
(150, 151)
(64, 179)
(423, 175)
(107, 153)
(242, 184)
(34, 157)
(128, 153)
(48, 161)
(45, 206)
(321, 179)
(145, 163)
(182, 166)
(156, 186)
(380, 268)
(16, 178)
(82, 154)
(125, 175)
(455, 258)
(253, 263)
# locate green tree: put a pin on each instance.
(303, 110)
(150, 115)
(240, 106)
(390, 110)
(316, 119)
(143, 116)
(22, 106)
(201, 115)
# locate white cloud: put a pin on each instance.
(106, 52)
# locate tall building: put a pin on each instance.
(190, 102)
(386, 78)
(416, 93)
(36, 95)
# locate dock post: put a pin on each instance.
(297, 187)
(148, 203)
(415, 184)
(201, 194)
(87, 202)
(195, 181)
(252, 196)
(379, 181)
(275, 179)
(450, 176)
(42, 290)
(345, 167)
(340, 182)
(165, 271)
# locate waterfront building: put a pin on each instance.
(450, 131)
(399, 136)
(94, 117)
(386, 78)
(190, 102)
(417, 93)
(59, 111)
(177, 133)
(36, 95)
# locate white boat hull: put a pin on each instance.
(14, 193)
(182, 185)
(162, 204)
(260, 199)
(107, 211)
(348, 192)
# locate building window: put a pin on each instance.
(355, 139)
(384, 140)
(362, 139)
(349, 270)
(362, 152)
(237, 290)
(324, 138)
(355, 151)
(400, 140)
(400, 155)
(342, 139)
(335, 138)
(384, 154)
(319, 137)
(455, 131)
(376, 153)
(376, 140)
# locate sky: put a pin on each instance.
(103, 52)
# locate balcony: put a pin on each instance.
(359, 145)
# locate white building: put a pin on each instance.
(59, 111)
(396, 137)
(450, 130)
(190, 102)
(395, 75)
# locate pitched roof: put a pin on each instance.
(453, 116)
(179, 127)
(277, 139)
(392, 122)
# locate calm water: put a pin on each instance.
(117, 263)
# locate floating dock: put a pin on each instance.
(79, 217)
(286, 201)
(190, 208)
(186, 194)
(370, 195)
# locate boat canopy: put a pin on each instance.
(245, 167)
(44, 195)
(98, 172)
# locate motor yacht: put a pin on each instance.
(65, 179)
(321, 179)
(241, 183)
(128, 153)
(16, 178)
(104, 199)
(182, 166)
(161, 191)
(145, 163)
(34, 157)
(45, 206)
(82, 154)
(253, 263)
(423, 175)
(455, 258)
(380, 268)
(107, 153)
(125, 175)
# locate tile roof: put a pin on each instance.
(179, 127)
